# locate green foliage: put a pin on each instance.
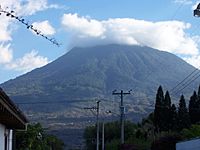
(166, 113)
(183, 115)
(192, 132)
(113, 145)
(159, 131)
(112, 134)
(193, 108)
(158, 109)
(90, 137)
(173, 118)
(35, 139)
(166, 141)
(54, 142)
(112, 130)
(140, 143)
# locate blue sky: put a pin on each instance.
(167, 25)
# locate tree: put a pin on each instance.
(183, 115)
(90, 137)
(54, 142)
(112, 134)
(36, 139)
(173, 118)
(158, 109)
(198, 105)
(167, 142)
(166, 113)
(193, 108)
(198, 94)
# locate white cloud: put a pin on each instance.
(195, 5)
(193, 60)
(45, 27)
(184, 2)
(56, 6)
(5, 32)
(27, 7)
(88, 27)
(165, 35)
(33, 6)
(5, 54)
(28, 62)
(22, 8)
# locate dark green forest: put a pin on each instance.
(160, 130)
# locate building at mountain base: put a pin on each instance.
(11, 119)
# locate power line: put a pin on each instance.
(173, 89)
(188, 84)
(178, 89)
(28, 26)
(64, 101)
(53, 102)
(177, 10)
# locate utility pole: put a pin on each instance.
(121, 93)
(97, 125)
(97, 115)
(103, 135)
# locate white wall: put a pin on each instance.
(2, 140)
(189, 145)
(3, 130)
(10, 139)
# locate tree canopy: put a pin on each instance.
(35, 138)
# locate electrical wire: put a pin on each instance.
(187, 84)
(174, 88)
(177, 10)
(28, 26)
(187, 80)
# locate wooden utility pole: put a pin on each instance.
(122, 115)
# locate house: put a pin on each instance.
(11, 119)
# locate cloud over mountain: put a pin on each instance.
(168, 36)
(164, 35)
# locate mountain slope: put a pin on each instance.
(91, 72)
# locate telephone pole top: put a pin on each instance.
(122, 115)
(97, 115)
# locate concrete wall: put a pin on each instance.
(2, 138)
